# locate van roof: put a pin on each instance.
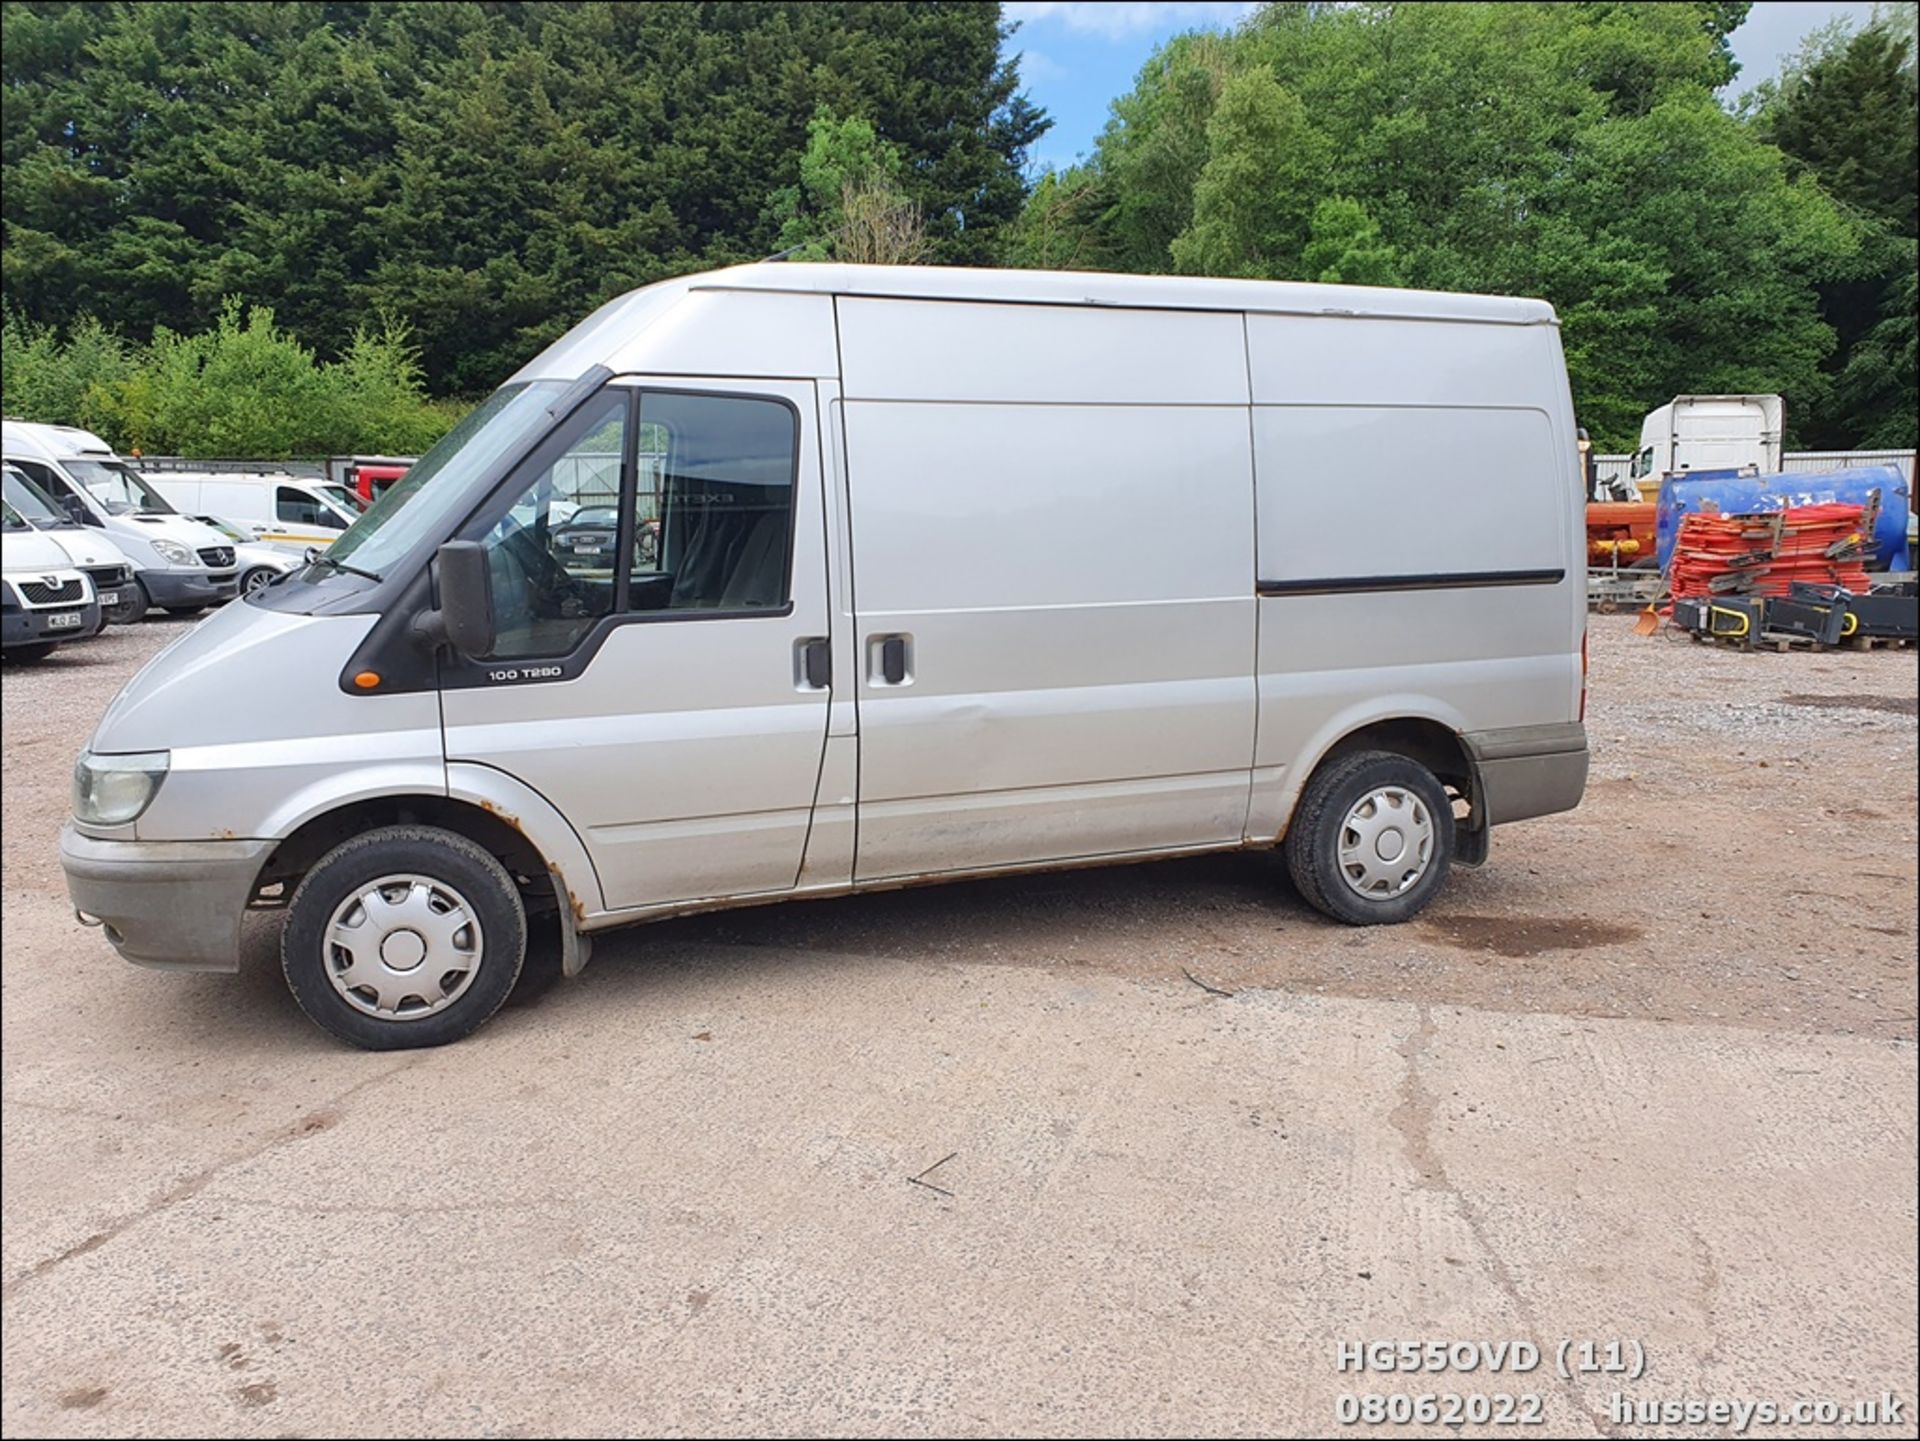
(1089, 287)
(56, 441)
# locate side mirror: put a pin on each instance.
(465, 617)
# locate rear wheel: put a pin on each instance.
(1372, 840)
(405, 936)
(132, 605)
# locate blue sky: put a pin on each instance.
(1078, 54)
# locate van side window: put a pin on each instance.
(548, 587)
(1643, 463)
(298, 508)
(713, 511)
(63, 495)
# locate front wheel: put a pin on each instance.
(405, 936)
(132, 605)
(185, 612)
(39, 650)
(259, 578)
(1372, 840)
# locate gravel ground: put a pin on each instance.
(671, 1195)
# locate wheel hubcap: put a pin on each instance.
(257, 581)
(1386, 843)
(403, 947)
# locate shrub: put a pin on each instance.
(245, 388)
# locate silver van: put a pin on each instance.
(912, 574)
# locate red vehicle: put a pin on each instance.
(368, 475)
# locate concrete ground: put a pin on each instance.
(1650, 1077)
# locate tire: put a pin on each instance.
(1323, 852)
(184, 612)
(258, 578)
(39, 650)
(134, 604)
(391, 880)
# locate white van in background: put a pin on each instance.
(87, 550)
(268, 505)
(953, 573)
(179, 564)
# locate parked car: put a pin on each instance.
(960, 572)
(261, 562)
(45, 601)
(266, 505)
(179, 564)
(87, 550)
(591, 533)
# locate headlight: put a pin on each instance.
(112, 790)
(172, 552)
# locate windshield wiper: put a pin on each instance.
(316, 556)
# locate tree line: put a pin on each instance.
(441, 188)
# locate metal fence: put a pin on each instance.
(1801, 462)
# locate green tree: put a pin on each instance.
(849, 203)
(489, 172)
(1344, 246)
(1253, 202)
(1849, 119)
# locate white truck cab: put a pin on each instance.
(179, 564)
(270, 506)
(911, 574)
(1710, 432)
(87, 550)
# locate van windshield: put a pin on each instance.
(115, 485)
(439, 486)
(31, 504)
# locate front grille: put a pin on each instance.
(107, 577)
(217, 557)
(38, 592)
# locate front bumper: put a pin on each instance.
(31, 627)
(1527, 771)
(176, 905)
(171, 589)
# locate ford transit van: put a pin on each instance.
(915, 574)
(179, 564)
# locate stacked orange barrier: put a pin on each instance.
(1770, 550)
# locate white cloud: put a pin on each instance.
(1119, 19)
(1037, 68)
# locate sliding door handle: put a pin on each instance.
(815, 656)
(889, 659)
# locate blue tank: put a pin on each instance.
(1750, 494)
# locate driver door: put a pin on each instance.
(656, 689)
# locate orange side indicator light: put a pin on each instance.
(367, 679)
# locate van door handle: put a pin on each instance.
(816, 662)
(888, 659)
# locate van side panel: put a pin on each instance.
(1072, 567)
(1418, 534)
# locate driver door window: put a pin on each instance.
(548, 588)
(298, 508)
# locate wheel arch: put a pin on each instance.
(1432, 736)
